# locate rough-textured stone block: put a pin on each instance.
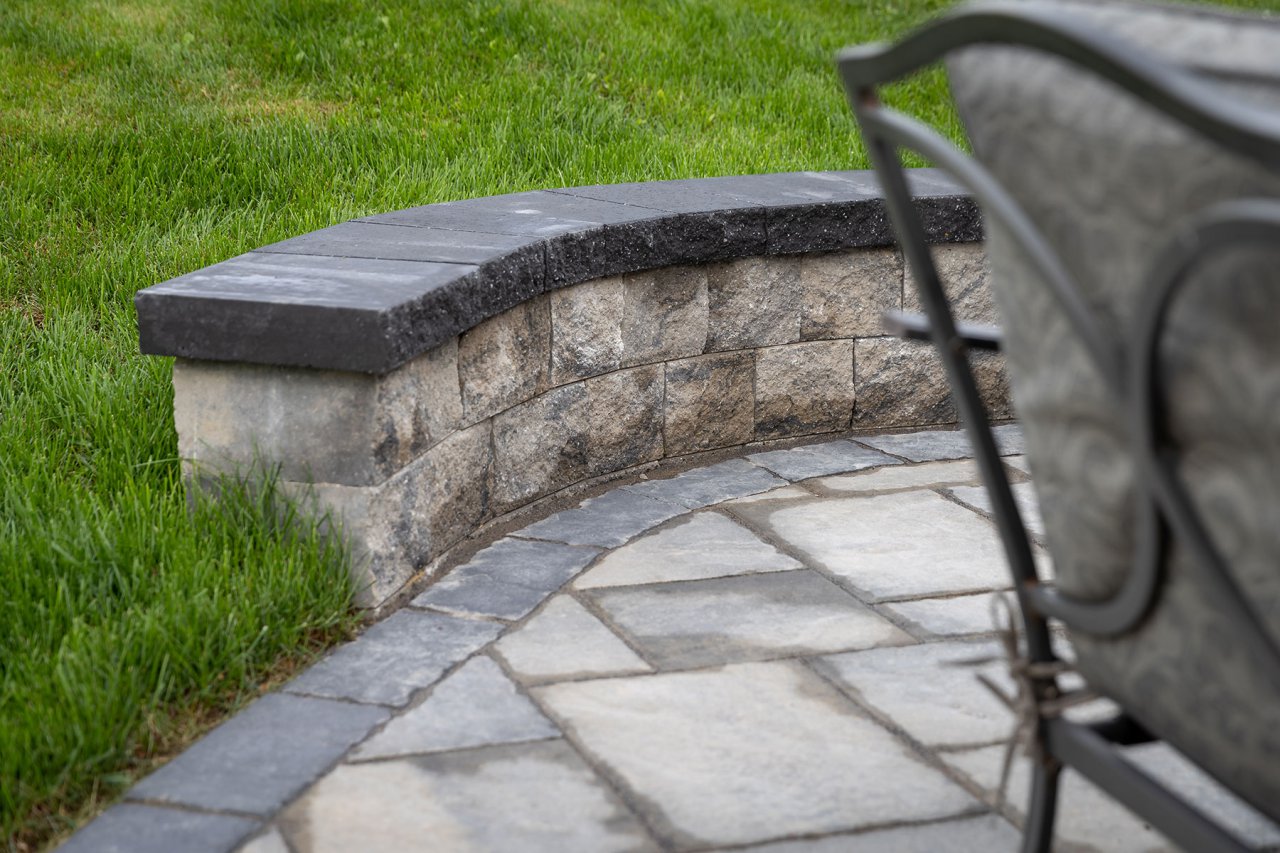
(259, 759)
(664, 315)
(626, 418)
(418, 405)
(403, 653)
(803, 389)
(396, 527)
(753, 302)
(844, 294)
(503, 361)
(586, 329)
(902, 383)
(540, 446)
(137, 828)
(709, 402)
(317, 425)
(964, 272)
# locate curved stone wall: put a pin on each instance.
(414, 435)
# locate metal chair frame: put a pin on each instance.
(1129, 369)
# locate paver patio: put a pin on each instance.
(766, 654)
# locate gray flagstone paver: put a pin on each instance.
(137, 828)
(403, 653)
(705, 545)
(563, 640)
(508, 579)
(900, 544)
(718, 659)
(816, 460)
(260, 758)
(1023, 495)
(605, 521)
(528, 797)
(475, 706)
(904, 477)
(701, 487)
(707, 622)
(749, 753)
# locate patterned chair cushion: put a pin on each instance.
(1106, 180)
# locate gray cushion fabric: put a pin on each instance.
(1107, 180)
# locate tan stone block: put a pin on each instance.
(395, 528)
(418, 405)
(844, 294)
(664, 315)
(753, 302)
(709, 402)
(903, 383)
(540, 446)
(626, 418)
(503, 361)
(586, 329)
(964, 272)
(804, 388)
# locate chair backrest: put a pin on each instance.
(1108, 181)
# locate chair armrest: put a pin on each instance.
(915, 327)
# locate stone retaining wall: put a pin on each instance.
(575, 383)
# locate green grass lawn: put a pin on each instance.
(142, 140)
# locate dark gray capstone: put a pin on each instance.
(370, 294)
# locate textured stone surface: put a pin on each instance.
(934, 445)
(261, 757)
(986, 834)
(753, 302)
(564, 641)
(606, 521)
(418, 405)
(503, 361)
(586, 329)
(903, 383)
(900, 544)
(950, 617)
(1024, 496)
(664, 315)
(538, 797)
(1086, 819)
(395, 528)
(136, 828)
(682, 625)
(804, 388)
(924, 691)
(815, 460)
(626, 418)
(706, 545)
(712, 759)
(475, 706)
(904, 477)
(403, 653)
(540, 446)
(508, 579)
(734, 478)
(709, 402)
(964, 271)
(844, 294)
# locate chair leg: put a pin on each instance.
(1037, 835)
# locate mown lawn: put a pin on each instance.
(142, 140)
